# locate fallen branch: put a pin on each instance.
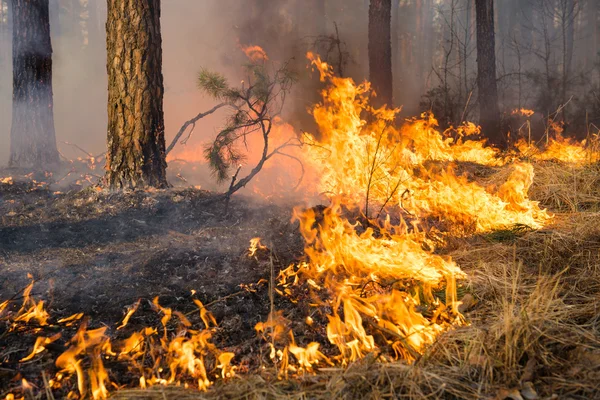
(193, 123)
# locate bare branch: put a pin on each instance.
(193, 123)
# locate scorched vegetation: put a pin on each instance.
(436, 267)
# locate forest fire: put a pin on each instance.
(303, 199)
(370, 256)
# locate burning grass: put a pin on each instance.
(531, 307)
(415, 281)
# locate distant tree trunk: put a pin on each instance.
(5, 30)
(315, 11)
(32, 136)
(567, 17)
(136, 133)
(380, 51)
(594, 34)
(489, 113)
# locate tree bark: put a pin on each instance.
(32, 135)
(489, 113)
(380, 51)
(136, 137)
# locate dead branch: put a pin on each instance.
(87, 153)
(193, 123)
(301, 166)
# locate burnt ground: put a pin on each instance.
(97, 252)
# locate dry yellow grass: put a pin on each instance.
(534, 321)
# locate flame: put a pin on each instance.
(370, 264)
(254, 246)
(523, 112)
(130, 311)
(30, 309)
(378, 273)
(40, 345)
(277, 332)
(560, 149)
(255, 53)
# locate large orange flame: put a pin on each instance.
(374, 173)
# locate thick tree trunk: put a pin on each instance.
(489, 114)
(136, 137)
(380, 51)
(32, 136)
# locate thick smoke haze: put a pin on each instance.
(547, 55)
(196, 34)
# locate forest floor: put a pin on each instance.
(533, 320)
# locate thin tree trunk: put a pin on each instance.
(32, 136)
(569, 39)
(526, 22)
(380, 51)
(594, 19)
(489, 113)
(136, 139)
(315, 10)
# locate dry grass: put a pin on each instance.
(567, 188)
(534, 331)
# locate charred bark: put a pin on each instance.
(32, 135)
(136, 138)
(380, 51)
(489, 114)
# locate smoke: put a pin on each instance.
(196, 34)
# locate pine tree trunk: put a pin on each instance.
(489, 114)
(136, 138)
(380, 51)
(32, 136)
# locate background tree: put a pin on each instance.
(32, 136)
(136, 137)
(489, 114)
(380, 51)
(5, 60)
